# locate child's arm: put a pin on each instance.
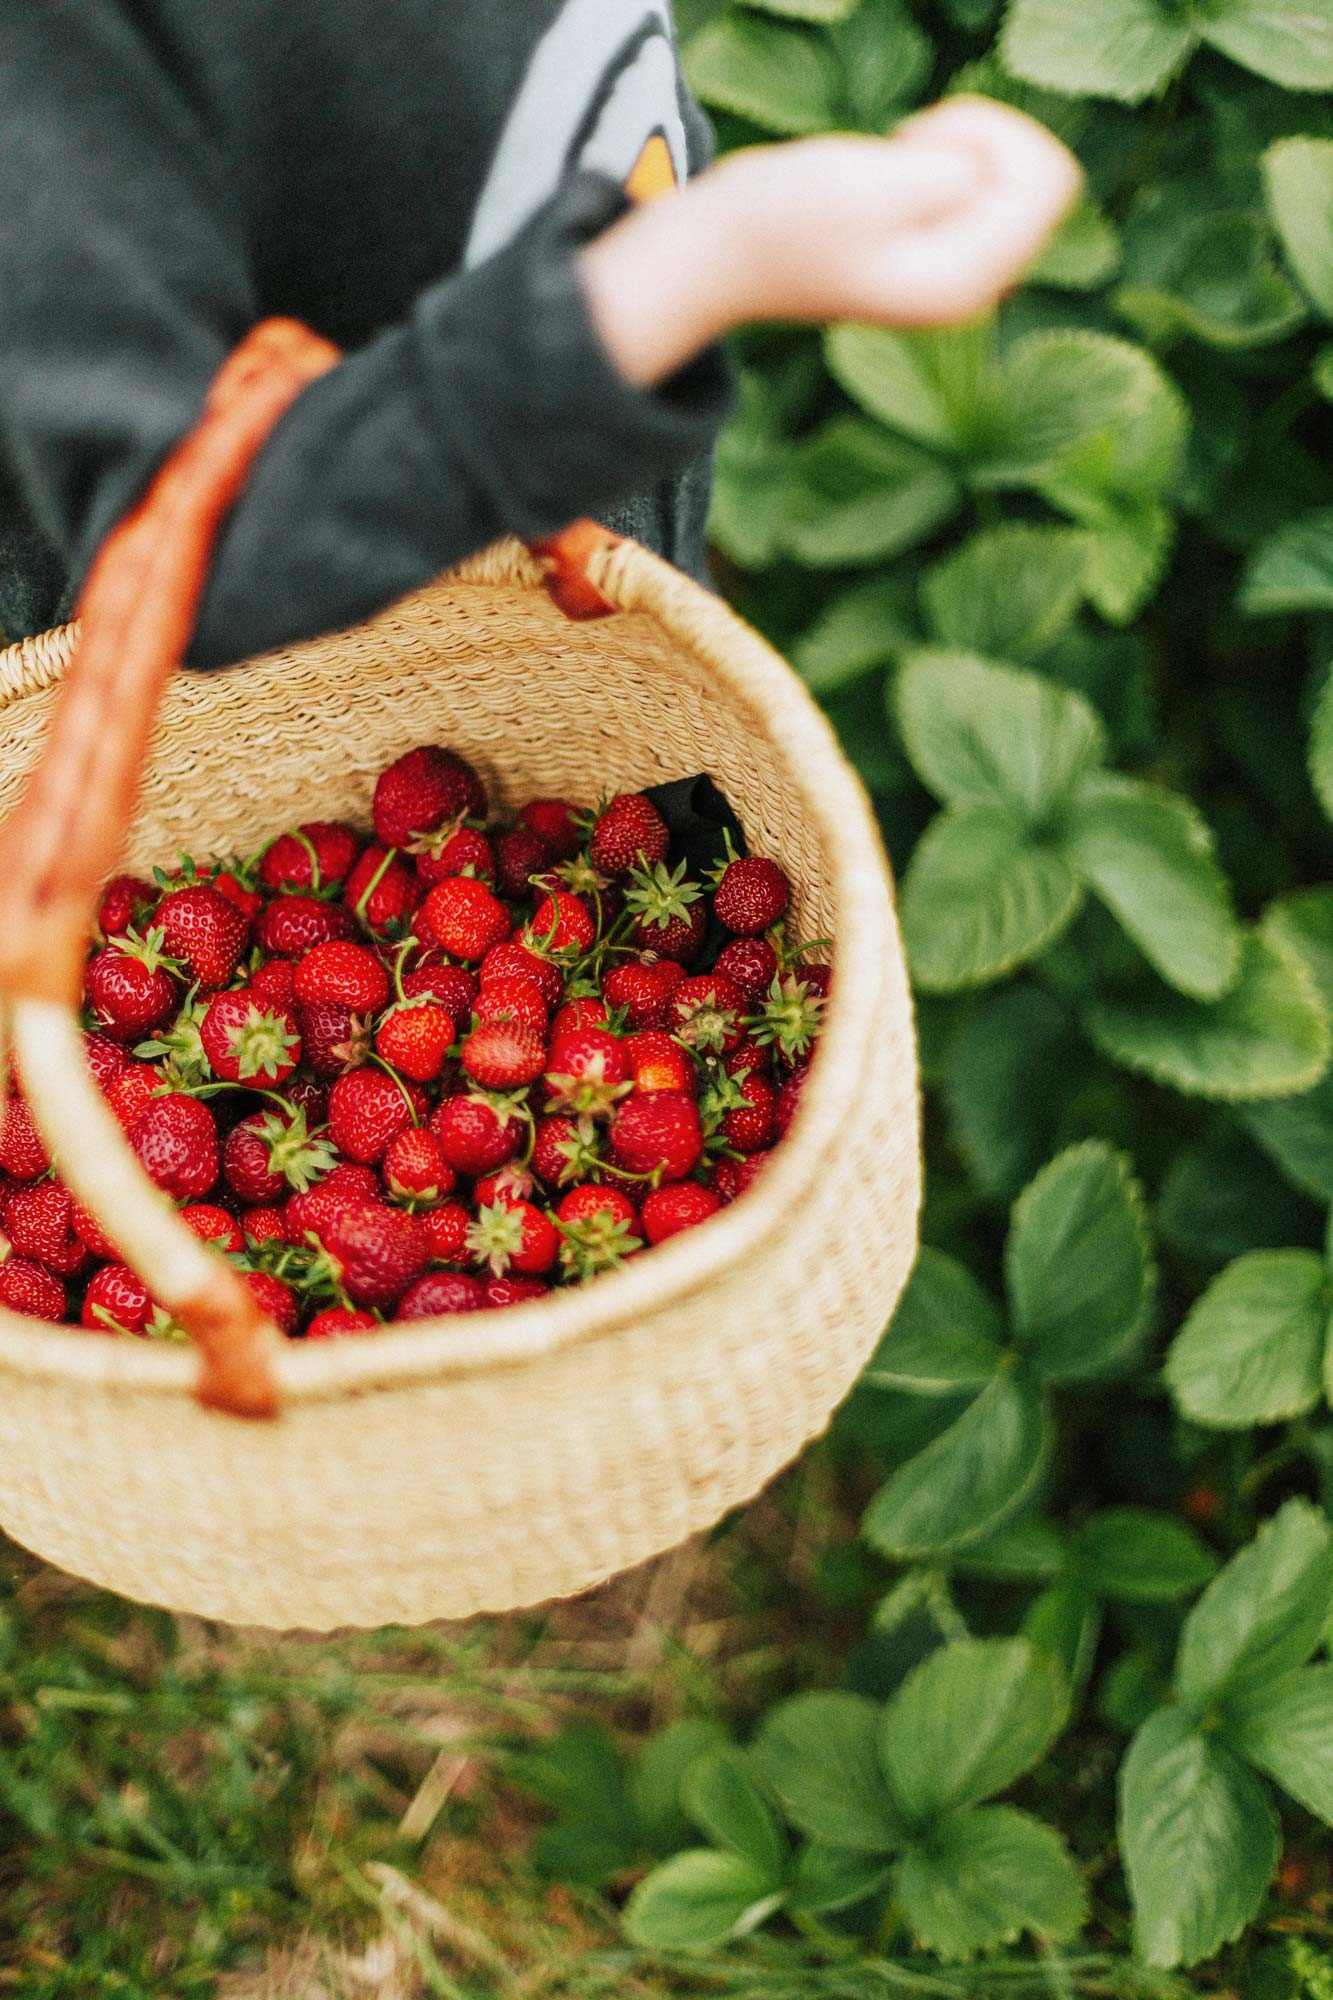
(925, 229)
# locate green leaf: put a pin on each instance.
(980, 898)
(835, 1878)
(1102, 48)
(1081, 415)
(1297, 1135)
(926, 385)
(1215, 280)
(967, 1723)
(1199, 1839)
(1065, 1621)
(722, 1799)
(1011, 591)
(986, 1876)
(1302, 923)
(697, 1899)
(1128, 543)
(1077, 1265)
(1321, 370)
(944, 1336)
(1143, 1557)
(750, 480)
(783, 77)
(1321, 745)
(967, 1481)
(885, 59)
(1263, 1614)
(819, 1754)
(863, 627)
(658, 1778)
(1288, 41)
(1293, 569)
(1028, 1551)
(1285, 1727)
(823, 11)
(978, 733)
(1082, 254)
(1149, 855)
(1268, 1035)
(1222, 1198)
(1298, 180)
(1009, 1077)
(857, 495)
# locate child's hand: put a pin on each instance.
(927, 228)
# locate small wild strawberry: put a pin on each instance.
(657, 1134)
(752, 895)
(629, 830)
(246, 1043)
(204, 930)
(464, 918)
(422, 789)
(176, 1139)
(367, 1109)
(503, 1055)
(682, 1205)
(318, 855)
(116, 1301)
(441, 1292)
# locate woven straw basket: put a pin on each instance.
(492, 1460)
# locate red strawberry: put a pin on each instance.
(587, 1072)
(214, 1225)
(668, 1210)
(709, 1012)
(789, 1098)
(419, 791)
(582, 1203)
(367, 1109)
(556, 821)
(748, 1055)
(265, 1224)
(752, 895)
(205, 931)
(22, 1153)
(106, 1059)
(588, 1012)
(511, 1182)
(750, 963)
(513, 998)
(644, 990)
(39, 1224)
(723, 1176)
(452, 987)
(561, 922)
(513, 1236)
(461, 850)
(630, 830)
(117, 1301)
(127, 1094)
(279, 1301)
(26, 1288)
(816, 978)
(441, 1292)
(564, 1149)
(415, 1168)
(273, 983)
(658, 1062)
(464, 918)
(293, 925)
(748, 1172)
(416, 1039)
(124, 900)
(669, 914)
(599, 1228)
(446, 1231)
(514, 1291)
(316, 855)
(341, 974)
(657, 1134)
(90, 1232)
(336, 1322)
(476, 1133)
(269, 1153)
(503, 1055)
(246, 1044)
(382, 890)
(176, 1139)
(519, 855)
(790, 1019)
(334, 1039)
(512, 959)
(310, 1213)
(378, 1252)
(750, 1129)
(130, 987)
(247, 900)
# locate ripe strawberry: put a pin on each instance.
(416, 1038)
(752, 895)
(816, 977)
(599, 1228)
(415, 1168)
(117, 1301)
(273, 984)
(750, 963)
(176, 1139)
(309, 1213)
(333, 1039)
(658, 1134)
(265, 1224)
(441, 1292)
(378, 1251)
(512, 959)
(90, 1232)
(464, 918)
(26, 1288)
(790, 1019)
(124, 901)
(789, 1098)
(130, 987)
(367, 1109)
(238, 890)
(127, 1094)
(586, 1073)
(511, 1182)
(519, 855)
(668, 1210)
(514, 1291)
(291, 926)
(668, 911)
(462, 850)
(746, 1056)
(419, 791)
(513, 1236)
(382, 890)
(658, 1062)
(630, 830)
(476, 1133)
(709, 1012)
(39, 1224)
(341, 974)
(564, 1149)
(106, 1059)
(750, 1128)
(446, 1230)
(749, 1170)
(643, 989)
(317, 855)
(561, 923)
(581, 1204)
(723, 1177)
(589, 1011)
(452, 987)
(204, 931)
(512, 998)
(22, 1152)
(556, 821)
(336, 1322)
(269, 1153)
(277, 1300)
(503, 1055)
(245, 1044)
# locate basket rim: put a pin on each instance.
(726, 649)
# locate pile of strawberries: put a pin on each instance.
(435, 1071)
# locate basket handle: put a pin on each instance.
(136, 613)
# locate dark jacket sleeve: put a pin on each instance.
(124, 281)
